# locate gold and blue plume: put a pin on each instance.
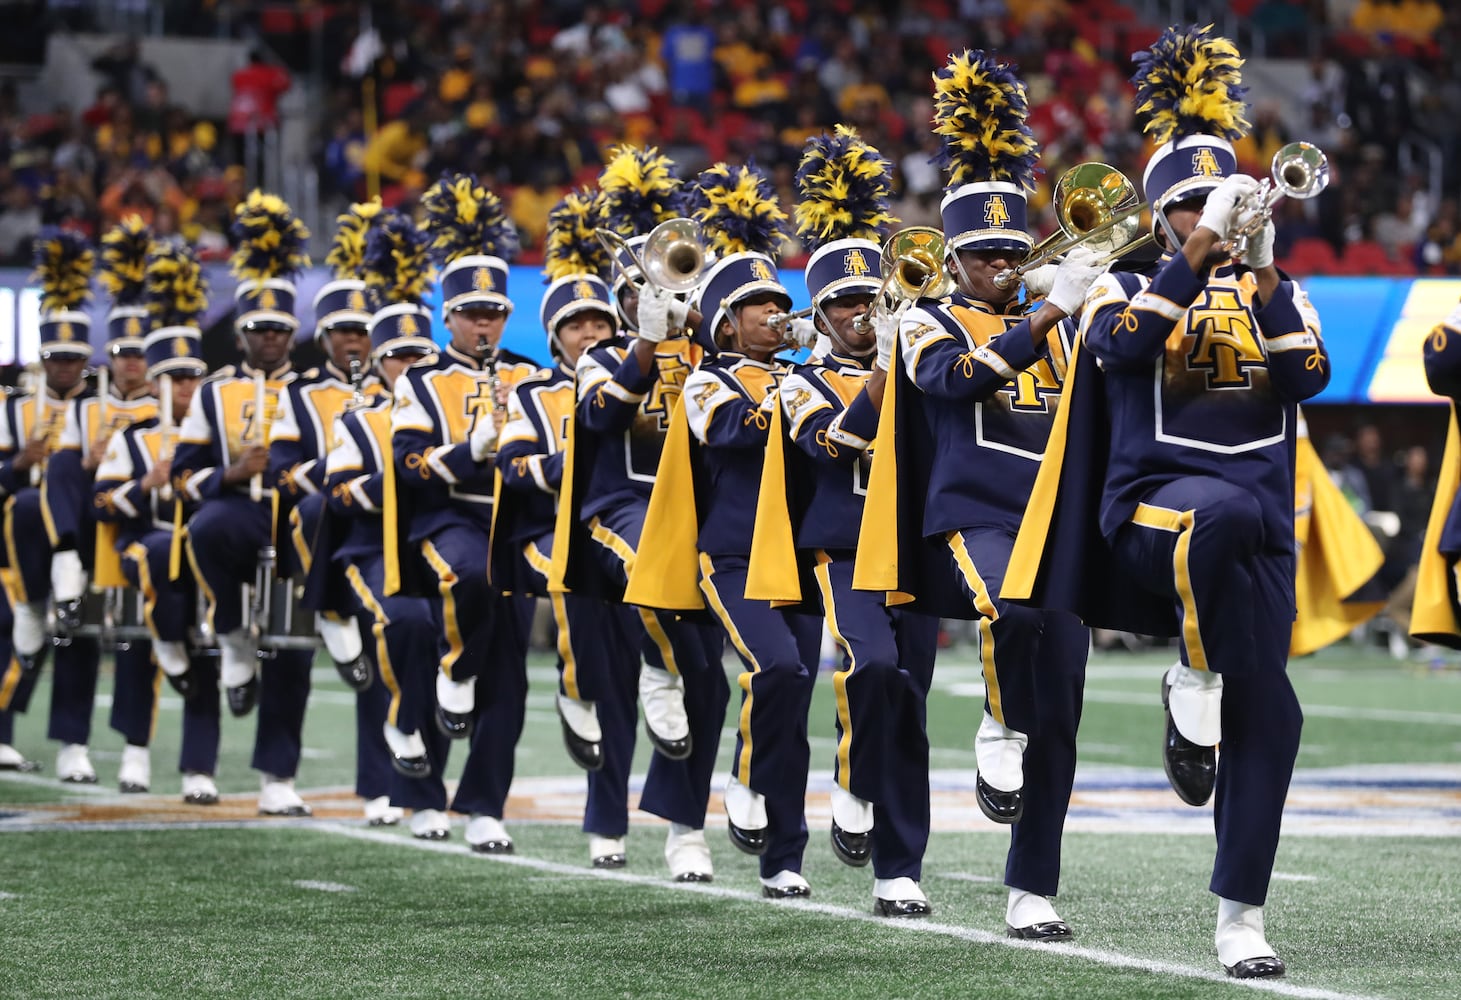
(736, 207)
(63, 262)
(843, 187)
(352, 226)
(269, 239)
(640, 190)
(1190, 83)
(982, 113)
(466, 218)
(396, 264)
(175, 292)
(124, 250)
(571, 247)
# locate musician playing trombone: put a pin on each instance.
(1189, 463)
(218, 470)
(133, 496)
(444, 427)
(983, 371)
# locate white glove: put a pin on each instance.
(1220, 212)
(1072, 277)
(1039, 281)
(1260, 247)
(484, 438)
(885, 327)
(802, 332)
(770, 402)
(659, 313)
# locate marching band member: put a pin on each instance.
(983, 371)
(701, 562)
(445, 423)
(300, 439)
(597, 643)
(1435, 615)
(627, 388)
(124, 396)
(134, 501)
(391, 717)
(807, 517)
(1178, 490)
(219, 469)
(29, 435)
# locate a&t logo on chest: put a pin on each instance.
(1224, 344)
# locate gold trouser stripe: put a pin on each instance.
(301, 545)
(602, 534)
(379, 621)
(983, 603)
(656, 633)
(542, 565)
(156, 700)
(991, 674)
(15, 583)
(839, 677)
(9, 683)
(743, 679)
(1183, 523)
(137, 552)
(210, 600)
(446, 579)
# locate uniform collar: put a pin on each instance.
(848, 361)
(1011, 308)
(141, 393)
(463, 358)
(563, 366)
(249, 371)
(731, 359)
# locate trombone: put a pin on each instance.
(1095, 205)
(673, 259)
(1300, 170)
(913, 269)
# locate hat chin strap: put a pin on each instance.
(1174, 245)
(837, 341)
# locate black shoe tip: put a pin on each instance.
(1263, 967)
(854, 849)
(999, 806)
(1050, 930)
(671, 749)
(752, 842)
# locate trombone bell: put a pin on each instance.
(913, 265)
(674, 256)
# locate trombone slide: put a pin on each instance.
(164, 453)
(256, 484)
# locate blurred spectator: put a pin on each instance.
(125, 72)
(1268, 135)
(398, 147)
(20, 222)
(1339, 460)
(257, 88)
(144, 192)
(1380, 473)
(687, 51)
(344, 171)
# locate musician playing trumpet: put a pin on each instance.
(133, 497)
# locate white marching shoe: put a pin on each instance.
(583, 737)
(68, 577)
(687, 854)
(786, 884)
(1031, 917)
(135, 774)
(346, 649)
(28, 633)
(745, 814)
(1195, 699)
(171, 656)
(12, 759)
(662, 697)
(430, 824)
(199, 789)
(380, 812)
(999, 752)
(486, 835)
(606, 852)
(852, 824)
(1241, 945)
(238, 671)
(277, 797)
(899, 897)
(73, 765)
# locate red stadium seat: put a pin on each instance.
(1311, 256)
(1366, 257)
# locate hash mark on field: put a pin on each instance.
(1097, 955)
(1289, 877)
(8, 895)
(318, 886)
(966, 877)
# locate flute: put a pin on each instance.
(164, 453)
(256, 484)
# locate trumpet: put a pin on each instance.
(357, 380)
(1300, 170)
(168, 429)
(781, 322)
(1096, 205)
(913, 269)
(488, 355)
(673, 258)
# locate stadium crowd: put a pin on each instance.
(531, 95)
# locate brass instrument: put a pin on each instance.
(168, 429)
(673, 258)
(913, 269)
(489, 354)
(357, 381)
(1300, 170)
(32, 382)
(1096, 206)
(781, 322)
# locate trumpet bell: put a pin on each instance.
(1300, 170)
(1087, 197)
(911, 257)
(674, 255)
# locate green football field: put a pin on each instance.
(105, 895)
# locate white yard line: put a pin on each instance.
(318, 886)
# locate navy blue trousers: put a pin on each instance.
(780, 651)
(1034, 673)
(401, 635)
(881, 692)
(598, 661)
(1199, 541)
(676, 790)
(484, 635)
